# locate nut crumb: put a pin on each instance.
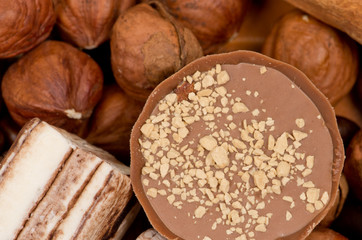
(263, 70)
(288, 216)
(200, 212)
(300, 122)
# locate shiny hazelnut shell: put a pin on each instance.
(337, 207)
(353, 165)
(146, 48)
(87, 24)
(24, 24)
(204, 64)
(212, 22)
(328, 57)
(112, 120)
(54, 82)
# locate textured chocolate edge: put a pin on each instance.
(204, 64)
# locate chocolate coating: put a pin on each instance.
(231, 59)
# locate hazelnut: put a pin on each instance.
(88, 23)
(344, 15)
(24, 24)
(337, 207)
(257, 23)
(325, 234)
(112, 120)
(8, 128)
(54, 82)
(212, 22)
(2, 142)
(328, 57)
(147, 46)
(347, 128)
(359, 89)
(353, 165)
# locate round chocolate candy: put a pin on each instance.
(236, 146)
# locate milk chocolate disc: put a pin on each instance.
(236, 146)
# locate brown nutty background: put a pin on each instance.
(113, 44)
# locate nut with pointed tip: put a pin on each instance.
(328, 57)
(147, 46)
(88, 23)
(112, 120)
(212, 22)
(24, 24)
(54, 82)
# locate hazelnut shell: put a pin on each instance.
(147, 46)
(112, 120)
(353, 165)
(328, 57)
(344, 15)
(24, 24)
(54, 82)
(337, 207)
(212, 22)
(88, 23)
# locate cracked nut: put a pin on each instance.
(24, 24)
(328, 57)
(54, 82)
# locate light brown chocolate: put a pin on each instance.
(299, 97)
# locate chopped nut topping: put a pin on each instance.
(152, 192)
(312, 195)
(260, 228)
(325, 198)
(236, 167)
(239, 107)
(260, 179)
(208, 142)
(300, 122)
(222, 77)
(283, 169)
(220, 157)
(200, 212)
(310, 208)
(263, 70)
(298, 135)
(288, 216)
(146, 129)
(310, 161)
(281, 144)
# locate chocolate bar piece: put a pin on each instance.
(55, 185)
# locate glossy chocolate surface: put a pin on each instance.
(280, 93)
